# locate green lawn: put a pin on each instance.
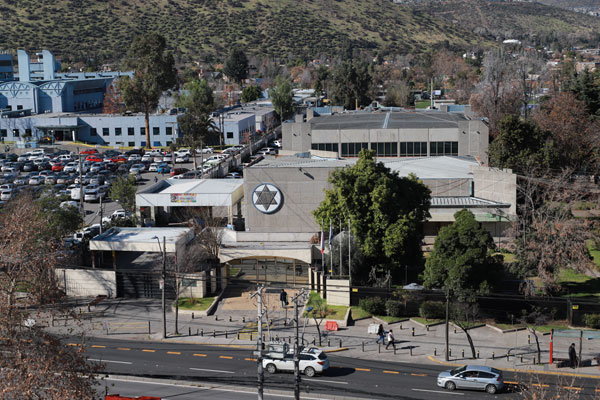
(427, 321)
(390, 320)
(333, 312)
(594, 252)
(548, 328)
(358, 313)
(422, 104)
(576, 284)
(199, 304)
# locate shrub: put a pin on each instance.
(394, 308)
(592, 321)
(432, 310)
(373, 305)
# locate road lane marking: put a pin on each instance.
(226, 357)
(322, 380)
(174, 352)
(212, 370)
(419, 374)
(545, 386)
(149, 351)
(571, 388)
(73, 344)
(390, 372)
(438, 391)
(123, 348)
(109, 361)
(363, 369)
(511, 382)
(97, 346)
(199, 355)
(251, 359)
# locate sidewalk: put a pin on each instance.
(129, 319)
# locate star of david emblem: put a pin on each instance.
(267, 198)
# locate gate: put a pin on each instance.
(140, 284)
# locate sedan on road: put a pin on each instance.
(474, 377)
(312, 361)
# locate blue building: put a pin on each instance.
(6, 67)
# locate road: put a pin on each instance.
(226, 366)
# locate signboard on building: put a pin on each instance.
(183, 197)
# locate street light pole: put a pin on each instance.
(163, 276)
(447, 324)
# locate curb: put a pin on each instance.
(523, 371)
(336, 350)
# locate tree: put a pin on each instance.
(251, 93)
(34, 362)
(398, 95)
(154, 72)
(587, 89)
(461, 263)
(385, 212)
(281, 97)
(198, 130)
(521, 144)
(199, 98)
(236, 65)
(62, 221)
(123, 190)
(350, 84)
(573, 130)
(113, 101)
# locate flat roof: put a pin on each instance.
(191, 192)
(389, 120)
(443, 167)
(141, 239)
(465, 202)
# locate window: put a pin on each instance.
(325, 147)
(443, 148)
(385, 149)
(105, 132)
(130, 131)
(169, 130)
(156, 131)
(19, 107)
(413, 149)
(27, 132)
(131, 144)
(117, 131)
(229, 135)
(15, 133)
(3, 132)
(353, 149)
(93, 132)
(143, 143)
(143, 131)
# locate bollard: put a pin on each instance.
(521, 357)
(263, 338)
(477, 353)
(534, 360)
(463, 353)
(244, 319)
(192, 315)
(427, 328)
(216, 318)
(410, 351)
(238, 336)
(214, 333)
(449, 352)
(250, 336)
(277, 338)
(435, 351)
(197, 332)
(225, 334)
(52, 319)
(394, 350)
(202, 332)
(189, 331)
(413, 331)
(454, 329)
(314, 340)
(340, 343)
(149, 331)
(270, 322)
(230, 319)
(284, 322)
(363, 347)
(507, 356)
(328, 342)
(400, 326)
(379, 348)
(528, 339)
(493, 355)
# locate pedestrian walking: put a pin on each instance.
(283, 298)
(155, 179)
(390, 338)
(572, 356)
(381, 334)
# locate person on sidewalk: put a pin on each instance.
(390, 338)
(283, 298)
(155, 179)
(381, 334)
(572, 356)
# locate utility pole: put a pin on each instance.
(164, 279)
(101, 213)
(340, 248)
(447, 323)
(261, 374)
(297, 378)
(349, 257)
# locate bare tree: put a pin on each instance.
(464, 315)
(533, 319)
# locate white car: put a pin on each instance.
(183, 152)
(153, 167)
(35, 180)
(69, 203)
(153, 152)
(94, 194)
(147, 158)
(277, 143)
(6, 194)
(23, 157)
(312, 361)
(71, 167)
(157, 159)
(233, 175)
(168, 158)
(182, 158)
(206, 150)
(134, 157)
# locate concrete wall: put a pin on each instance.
(497, 185)
(87, 282)
(338, 292)
(449, 187)
(193, 285)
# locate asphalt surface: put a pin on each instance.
(227, 366)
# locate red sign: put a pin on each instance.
(331, 326)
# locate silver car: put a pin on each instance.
(474, 377)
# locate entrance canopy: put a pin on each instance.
(192, 193)
(142, 239)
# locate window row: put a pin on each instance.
(325, 147)
(443, 148)
(143, 144)
(131, 131)
(353, 149)
(413, 149)
(15, 133)
(385, 149)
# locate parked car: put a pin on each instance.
(163, 169)
(153, 167)
(6, 194)
(183, 152)
(137, 168)
(206, 150)
(147, 158)
(35, 180)
(178, 171)
(312, 361)
(118, 159)
(139, 152)
(168, 158)
(233, 175)
(157, 159)
(134, 157)
(93, 158)
(475, 377)
(182, 159)
(89, 151)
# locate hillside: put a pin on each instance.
(571, 3)
(501, 20)
(104, 28)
